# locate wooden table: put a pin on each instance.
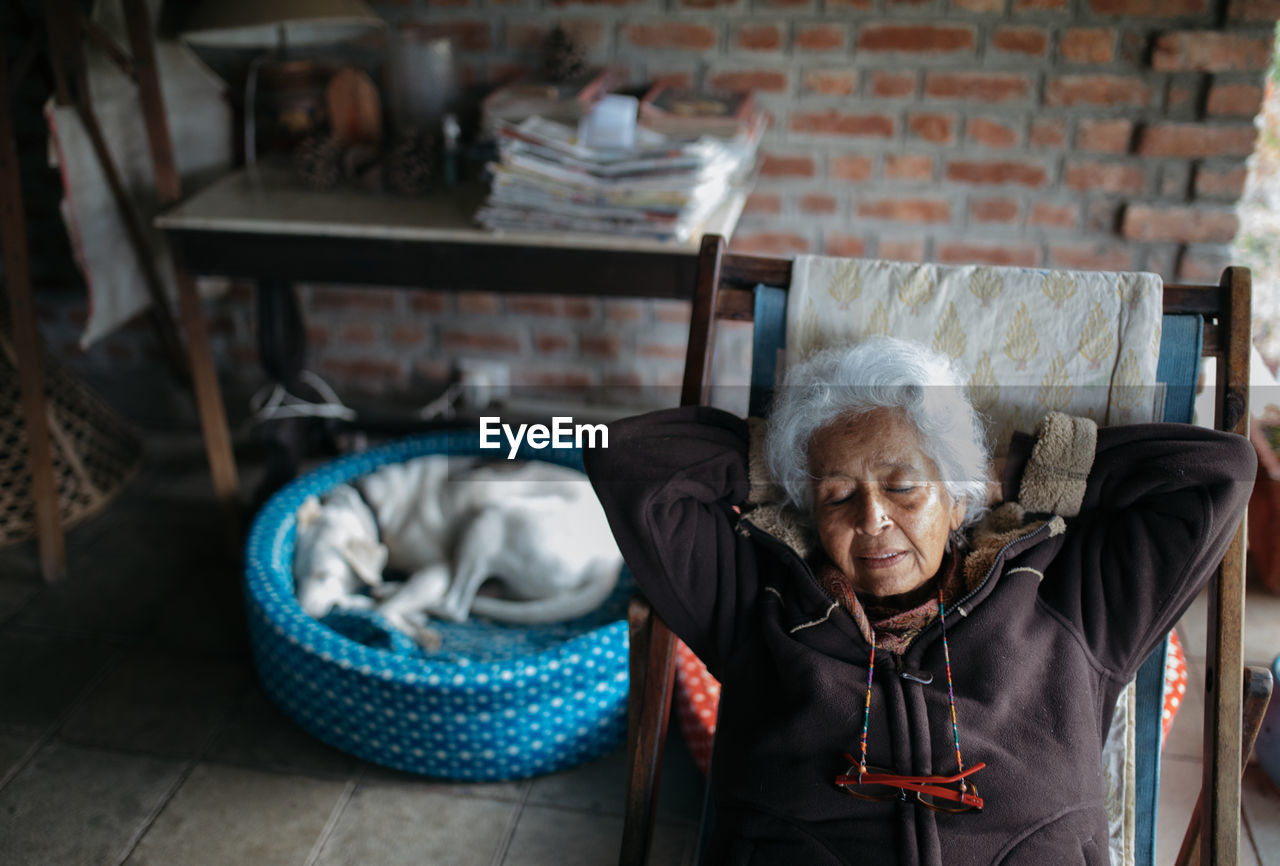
(262, 226)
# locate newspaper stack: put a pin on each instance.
(661, 189)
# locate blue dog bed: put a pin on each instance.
(495, 702)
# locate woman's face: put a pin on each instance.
(882, 513)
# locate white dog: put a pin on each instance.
(532, 530)
(336, 552)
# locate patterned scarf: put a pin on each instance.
(893, 628)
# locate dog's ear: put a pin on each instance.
(308, 512)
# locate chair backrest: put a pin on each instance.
(1220, 314)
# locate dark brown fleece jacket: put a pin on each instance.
(1062, 613)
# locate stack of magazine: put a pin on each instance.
(661, 189)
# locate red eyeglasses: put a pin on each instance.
(872, 783)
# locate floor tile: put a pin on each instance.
(510, 791)
(40, 676)
(596, 786)
(1179, 788)
(399, 825)
(12, 749)
(156, 703)
(547, 835)
(224, 815)
(260, 735)
(1261, 803)
(73, 805)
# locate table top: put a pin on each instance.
(265, 201)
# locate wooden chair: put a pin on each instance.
(725, 290)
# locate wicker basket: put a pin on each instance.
(95, 450)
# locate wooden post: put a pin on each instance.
(26, 341)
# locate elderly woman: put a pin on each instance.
(879, 634)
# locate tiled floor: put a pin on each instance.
(133, 730)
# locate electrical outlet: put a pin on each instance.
(484, 382)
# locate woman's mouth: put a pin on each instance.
(887, 559)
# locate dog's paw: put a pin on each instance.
(426, 637)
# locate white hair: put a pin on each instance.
(879, 373)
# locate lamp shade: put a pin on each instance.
(259, 23)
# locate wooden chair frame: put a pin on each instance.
(724, 290)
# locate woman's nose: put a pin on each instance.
(872, 516)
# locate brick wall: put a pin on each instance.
(1057, 133)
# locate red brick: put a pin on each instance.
(579, 308)
(1104, 136)
(428, 302)
(1210, 51)
(672, 78)
(768, 243)
(1111, 177)
(849, 167)
(1017, 255)
(624, 379)
(990, 133)
(1194, 139)
(997, 172)
(977, 86)
(830, 82)
(862, 5)
(994, 210)
(1054, 216)
(758, 37)
(1091, 257)
(1087, 45)
(1039, 5)
(915, 210)
(673, 351)
(917, 38)
(821, 37)
(534, 305)
(407, 335)
(1027, 41)
(324, 298)
(978, 5)
(602, 346)
(1181, 98)
(670, 35)
(832, 122)
(377, 373)
(767, 80)
(937, 128)
(1225, 183)
(357, 332)
(817, 203)
(839, 244)
(552, 343)
(1234, 99)
(893, 85)
(707, 4)
(1254, 10)
(1048, 132)
(903, 166)
(464, 35)
(1179, 224)
(672, 312)
(482, 303)
(620, 310)
(573, 377)
(317, 335)
(1114, 91)
(902, 249)
(787, 165)
(1195, 266)
(763, 203)
(586, 33)
(1149, 8)
(485, 341)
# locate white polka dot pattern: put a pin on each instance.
(697, 703)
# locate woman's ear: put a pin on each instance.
(958, 508)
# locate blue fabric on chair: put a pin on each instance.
(768, 337)
(1181, 340)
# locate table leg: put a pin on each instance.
(282, 352)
